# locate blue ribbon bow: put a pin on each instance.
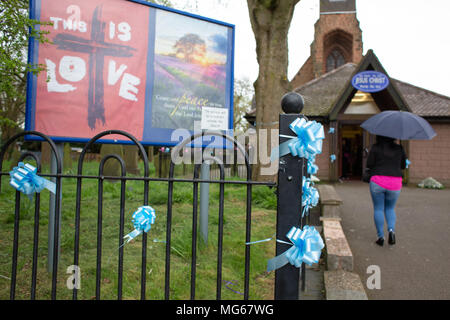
(333, 158)
(143, 218)
(24, 178)
(331, 130)
(307, 247)
(309, 138)
(310, 195)
(307, 144)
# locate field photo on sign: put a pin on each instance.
(190, 70)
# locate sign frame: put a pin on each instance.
(151, 135)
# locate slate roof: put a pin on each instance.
(322, 93)
(423, 102)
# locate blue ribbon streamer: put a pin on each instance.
(312, 168)
(407, 163)
(143, 218)
(24, 178)
(310, 195)
(307, 247)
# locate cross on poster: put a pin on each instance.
(128, 65)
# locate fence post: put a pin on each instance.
(52, 211)
(289, 207)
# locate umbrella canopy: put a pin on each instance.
(401, 125)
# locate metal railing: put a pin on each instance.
(123, 178)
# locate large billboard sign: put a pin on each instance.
(128, 65)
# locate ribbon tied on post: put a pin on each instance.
(143, 218)
(307, 247)
(24, 178)
(306, 145)
(310, 195)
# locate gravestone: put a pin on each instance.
(131, 158)
(112, 166)
(46, 152)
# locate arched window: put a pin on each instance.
(334, 60)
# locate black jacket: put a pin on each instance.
(386, 159)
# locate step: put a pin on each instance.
(343, 285)
(339, 254)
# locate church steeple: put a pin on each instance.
(337, 40)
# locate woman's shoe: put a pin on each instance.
(391, 237)
(380, 242)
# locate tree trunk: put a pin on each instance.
(270, 20)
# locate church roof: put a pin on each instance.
(423, 102)
(322, 94)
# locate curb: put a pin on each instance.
(341, 283)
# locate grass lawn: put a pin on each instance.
(263, 226)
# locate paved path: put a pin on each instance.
(418, 266)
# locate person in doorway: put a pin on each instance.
(386, 160)
(346, 159)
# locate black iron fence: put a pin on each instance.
(289, 195)
(123, 178)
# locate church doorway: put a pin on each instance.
(351, 152)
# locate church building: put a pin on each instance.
(325, 82)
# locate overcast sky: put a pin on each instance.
(410, 37)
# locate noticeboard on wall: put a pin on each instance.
(129, 65)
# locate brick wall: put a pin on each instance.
(323, 159)
(347, 24)
(304, 75)
(431, 158)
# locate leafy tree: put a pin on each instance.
(243, 93)
(16, 28)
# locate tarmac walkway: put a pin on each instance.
(418, 265)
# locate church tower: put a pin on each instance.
(337, 41)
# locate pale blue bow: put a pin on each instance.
(143, 218)
(24, 178)
(309, 138)
(307, 144)
(333, 158)
(307, 247)
(310, 195)
(331, 130)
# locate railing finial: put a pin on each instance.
(292, 102)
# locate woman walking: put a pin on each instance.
(386, 161)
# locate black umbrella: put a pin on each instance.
(401, 125)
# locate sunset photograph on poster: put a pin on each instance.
(190, 63)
